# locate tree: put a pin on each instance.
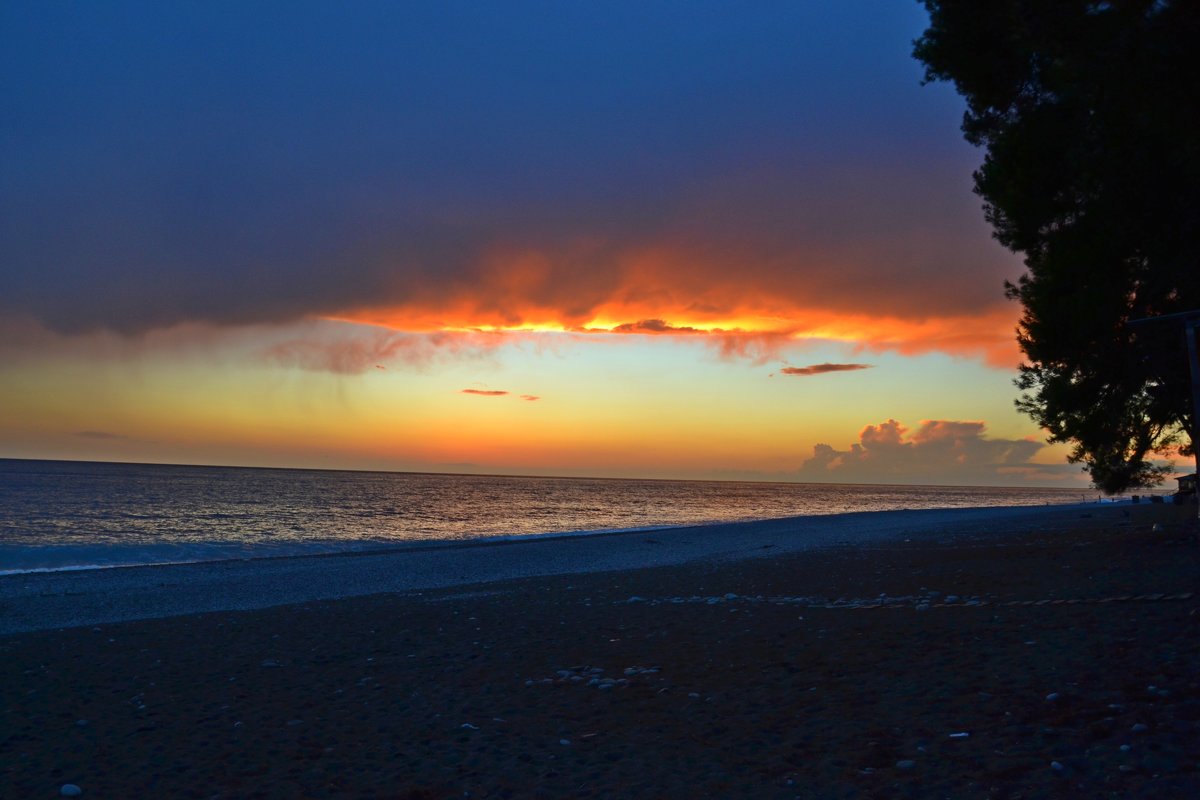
(1090, 116)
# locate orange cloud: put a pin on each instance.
(741, 305)
(485, 392)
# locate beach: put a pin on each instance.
(997, 653)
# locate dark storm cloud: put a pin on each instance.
(236, 164)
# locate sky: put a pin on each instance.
(643, 239)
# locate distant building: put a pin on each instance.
(1187, 484)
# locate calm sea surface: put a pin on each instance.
(64, 515)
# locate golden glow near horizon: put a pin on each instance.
(545, 402)
(644, 271)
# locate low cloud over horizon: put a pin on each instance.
(944, 452)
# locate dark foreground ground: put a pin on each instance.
(1057, 663)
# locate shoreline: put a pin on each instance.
(61, 599)
(1037, 657)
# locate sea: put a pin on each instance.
(63, 515)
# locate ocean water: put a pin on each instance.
(58, 515)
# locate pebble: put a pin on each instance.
(81, 722)
(70, 790)
(1125, 748)
(906, 764)
(1057, 766)
(960, 735)
(270, 662)
(1050, 698)
(564, 742)
(1140, 727)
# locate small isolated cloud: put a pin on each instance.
(946, 452)
(486, 392)
(820, 369)
(655, 326)
(100, 435)
(530, 397)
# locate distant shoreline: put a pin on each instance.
(1083, 490)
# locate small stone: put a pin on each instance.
(564, 742)
(269, 663)
(906, 764)
(70, 790)
(1126, 748)
(82, 723)
(1057, 766)
(1050, 698)
(960, 735)
(469, 726)
(951, 598)
(1140, 727)
(731, 596)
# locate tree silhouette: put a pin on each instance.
(1090, 116)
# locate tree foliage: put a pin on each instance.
(1090, 116)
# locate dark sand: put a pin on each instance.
(457, 692)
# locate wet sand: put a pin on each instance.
(1065, 644)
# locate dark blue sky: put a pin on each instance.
(244, 162)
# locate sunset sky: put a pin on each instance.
(655, 239)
